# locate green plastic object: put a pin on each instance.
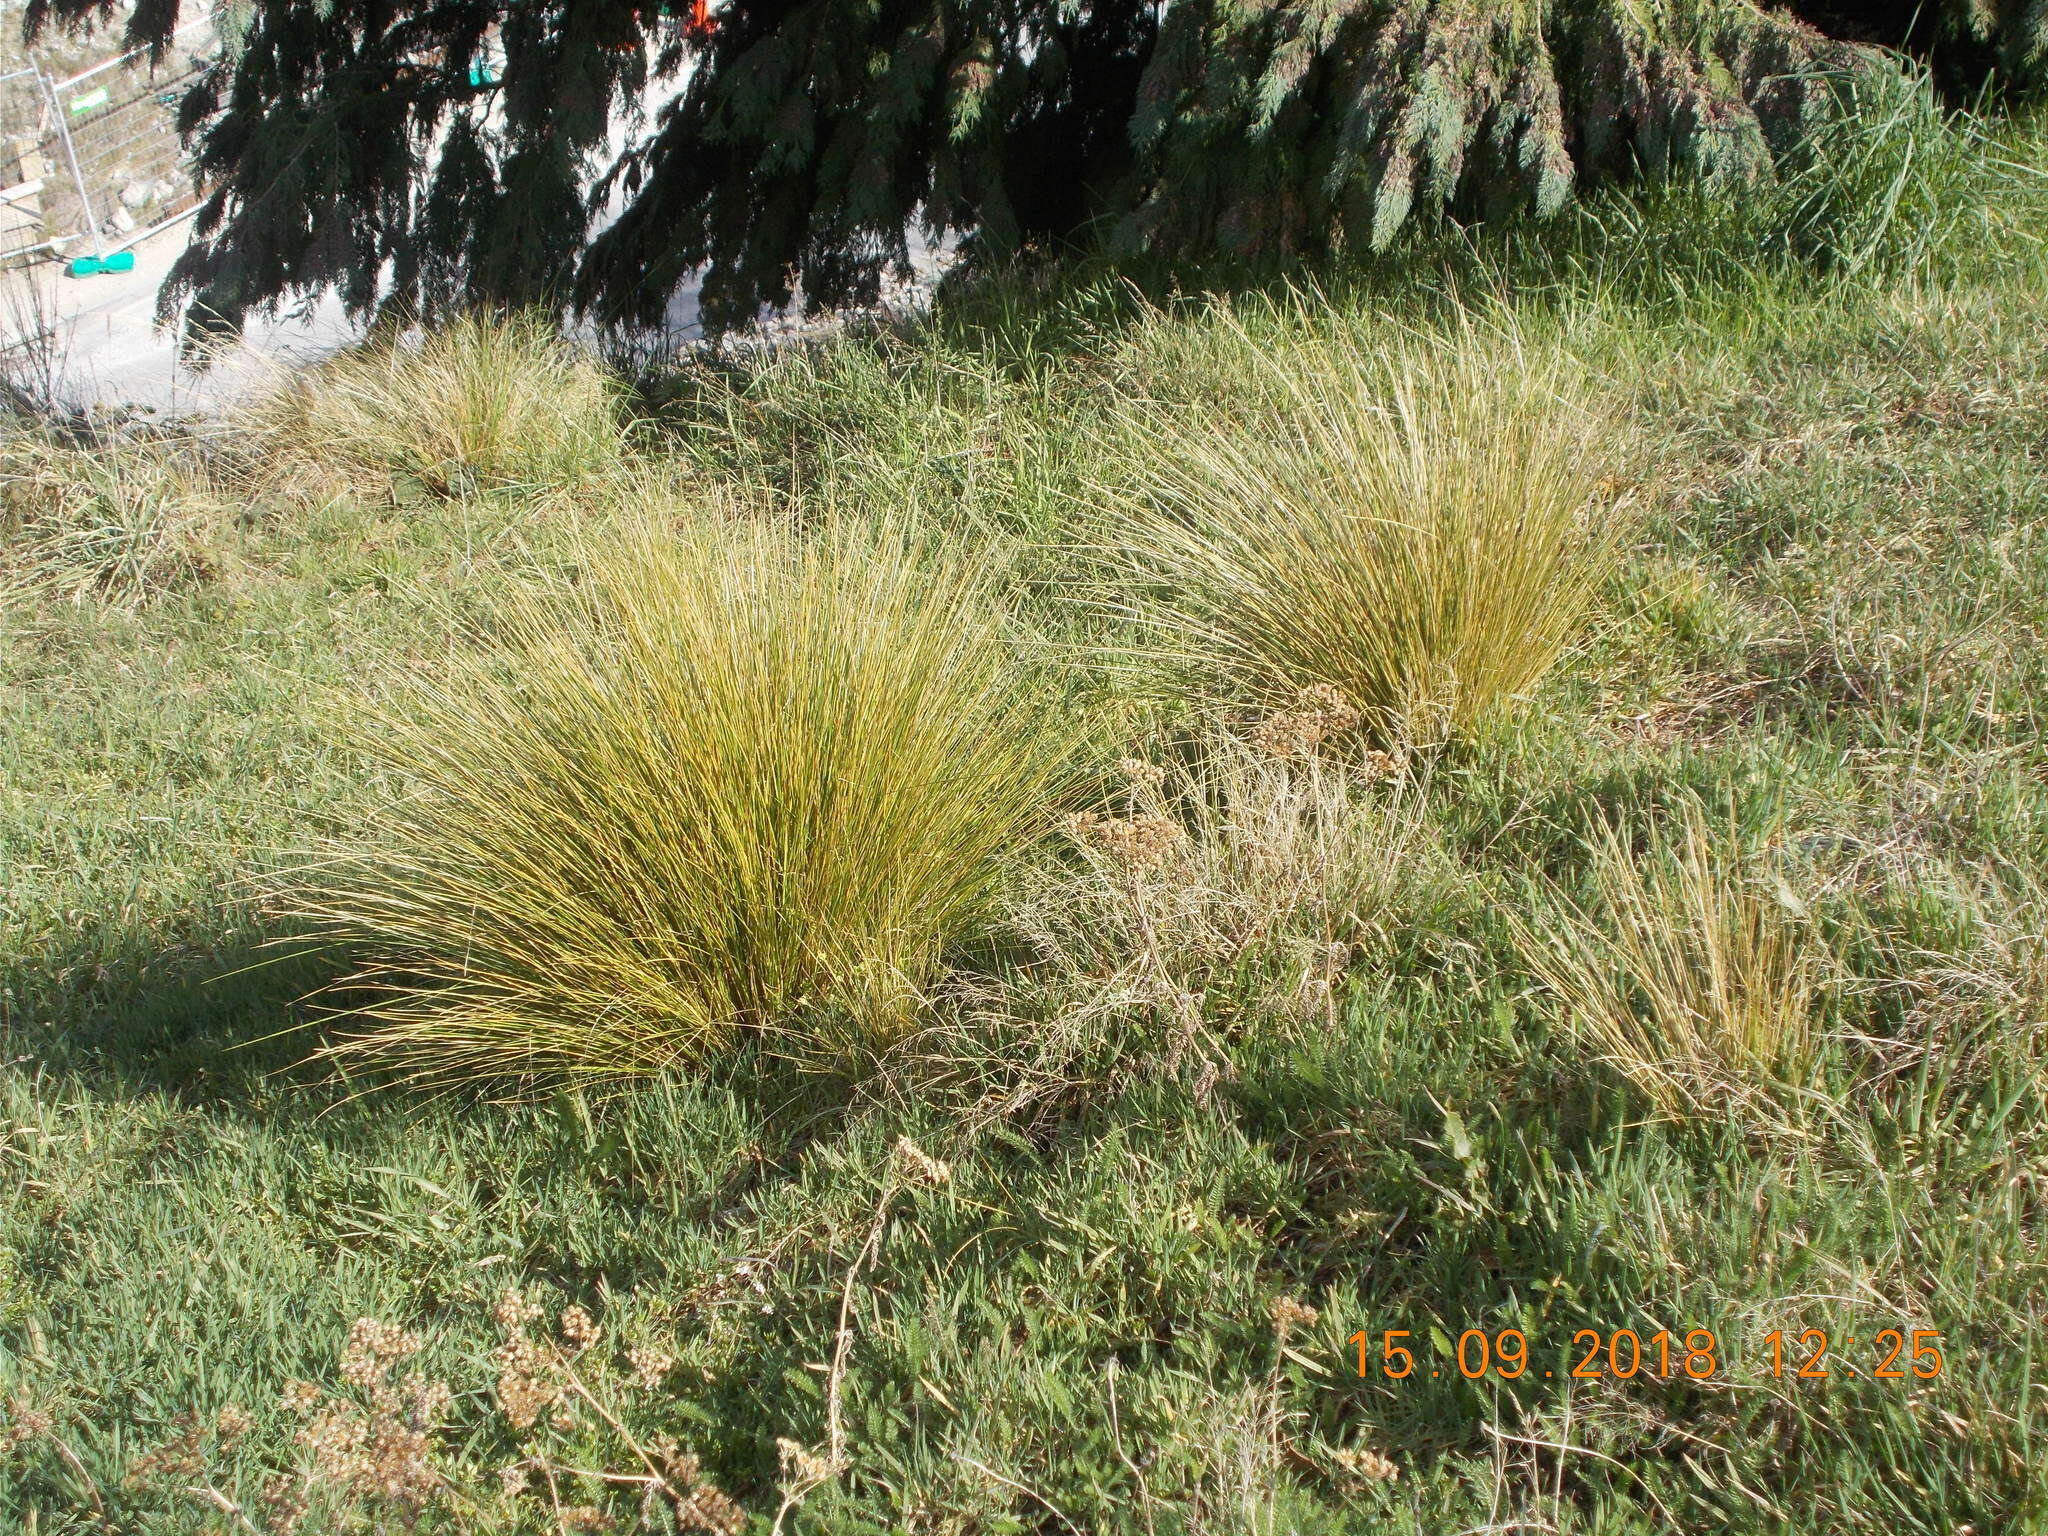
(96, 266)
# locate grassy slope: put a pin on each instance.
(1830, 628)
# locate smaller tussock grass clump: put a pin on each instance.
(1419, 527)
(482, 403)
(747, 777)
(1695, 980)
(115, 523)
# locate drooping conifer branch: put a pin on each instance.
(443, 153)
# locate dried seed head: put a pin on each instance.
(677, 1464)
(230, 1425)
(1141, 842)
(25, 1422)
(708, 1509)
(579, 1328)
(1140, 772)
(397, 1465)
(284, 1501)
(181, 1457)
(1294, 733)
(428, 1400)
(334, 1439)
(1339, 710)
(1376, 765)
(649, 1365)
(513, 1312)
(801, 1465)
(699, 1505)
(1289, 1314)
(1365, 1465)
(372, 1346)
(919, 1167)
(526, 1381)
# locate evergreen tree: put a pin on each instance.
(435, 153)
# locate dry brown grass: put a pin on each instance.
(393, 1446)
(1268, 865)
(118, 522)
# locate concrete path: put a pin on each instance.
(108, 351)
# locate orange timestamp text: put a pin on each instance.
(1812, 1354)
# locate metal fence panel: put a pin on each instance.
(24, 110)
(92, 163)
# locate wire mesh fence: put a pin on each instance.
(92, 163)
(22, 109)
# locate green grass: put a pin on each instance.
(1048, 1265)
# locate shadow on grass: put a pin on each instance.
(201, 1010)
(230, 1017)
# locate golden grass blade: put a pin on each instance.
(1693, 983)
(743, 779)
(1420, 528)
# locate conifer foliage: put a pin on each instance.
(431, 154)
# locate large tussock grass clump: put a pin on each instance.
(481, 403)
(1693, 982)
(749, 779)
(1419, 527)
